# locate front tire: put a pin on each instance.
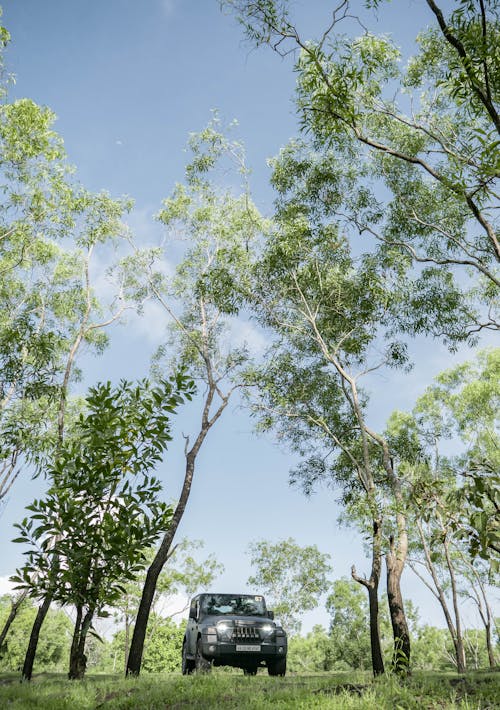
(277, 667)
(187, 664)
(202, 665)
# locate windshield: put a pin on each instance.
(241, 604)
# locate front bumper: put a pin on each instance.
(228, 653)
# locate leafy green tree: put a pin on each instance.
(463, 404)
(292, 577)
(164, 646)
(432, 228)
(331, 316)
(219, 227)
(50, 229)
(88, 534)
(431, 650)
(349, 632)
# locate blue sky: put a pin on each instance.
(128, 81)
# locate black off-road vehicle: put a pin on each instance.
(233, 630)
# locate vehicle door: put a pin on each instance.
(192, 627)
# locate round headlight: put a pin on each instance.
(267, 629)
(225, 630)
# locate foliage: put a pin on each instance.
(102, 508)
(464, 403)
(53, 648)
(163, 648)
(427, 133)
(49, 227)
(292, 576)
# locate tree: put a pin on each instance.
(219, 227)
(102, 508)
(347, 605)
(433, 231)
(292, 576)
(463, 403)
(331, 316)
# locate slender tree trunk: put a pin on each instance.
(78, 659)
(460, 649)
(401, 655)
(489, 646)
(74, 641)
(148, 592)
(35, 633)
(438, 592)
(12, 615)
(127, 640)
(371, 585)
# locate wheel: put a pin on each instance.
(202, 665)
(277, 667)
(250, 671)
(187, 663)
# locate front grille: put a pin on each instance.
(246, 633)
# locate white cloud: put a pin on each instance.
(243, 333)
(150, 325)
(6, 586)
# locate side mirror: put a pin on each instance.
(271, 615)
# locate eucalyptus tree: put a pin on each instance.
(217, 223)
(292, 577)
(87, 535)
(427, 132)
(450, 528)
(331, 316)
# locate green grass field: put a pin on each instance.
(224, 691)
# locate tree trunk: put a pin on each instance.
(78, 659)
(401, 654)
(372, 588)
(73, 654)
(459, 645)
(148, 592)
(33, 642)
(489, 646)
(455, 633)
(12, 615)
(127, 640)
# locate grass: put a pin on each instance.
(475, 691)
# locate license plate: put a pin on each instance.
(253, 647)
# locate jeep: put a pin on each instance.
(233, 630)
